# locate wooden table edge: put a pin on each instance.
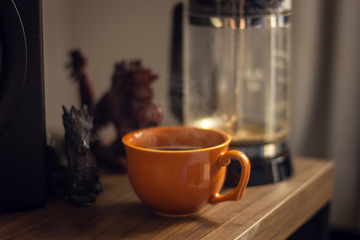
(324, 194)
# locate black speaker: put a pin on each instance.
(22, 115)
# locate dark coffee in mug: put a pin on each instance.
(176, 148)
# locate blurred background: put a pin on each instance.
(325, 118)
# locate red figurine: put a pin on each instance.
(127, 105)
(80, 74)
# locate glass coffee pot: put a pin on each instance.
(236, 76)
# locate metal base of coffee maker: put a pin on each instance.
(270, 163)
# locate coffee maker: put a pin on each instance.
(236, 78)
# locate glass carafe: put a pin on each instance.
(237, 75)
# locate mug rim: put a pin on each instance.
(126, 137)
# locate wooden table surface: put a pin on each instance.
(271, 211)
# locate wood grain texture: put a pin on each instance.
(271, 211)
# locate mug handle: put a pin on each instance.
(238, 192)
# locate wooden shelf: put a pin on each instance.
(271, 211)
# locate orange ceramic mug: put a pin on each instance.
(177, 170)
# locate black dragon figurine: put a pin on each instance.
(82, 184)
